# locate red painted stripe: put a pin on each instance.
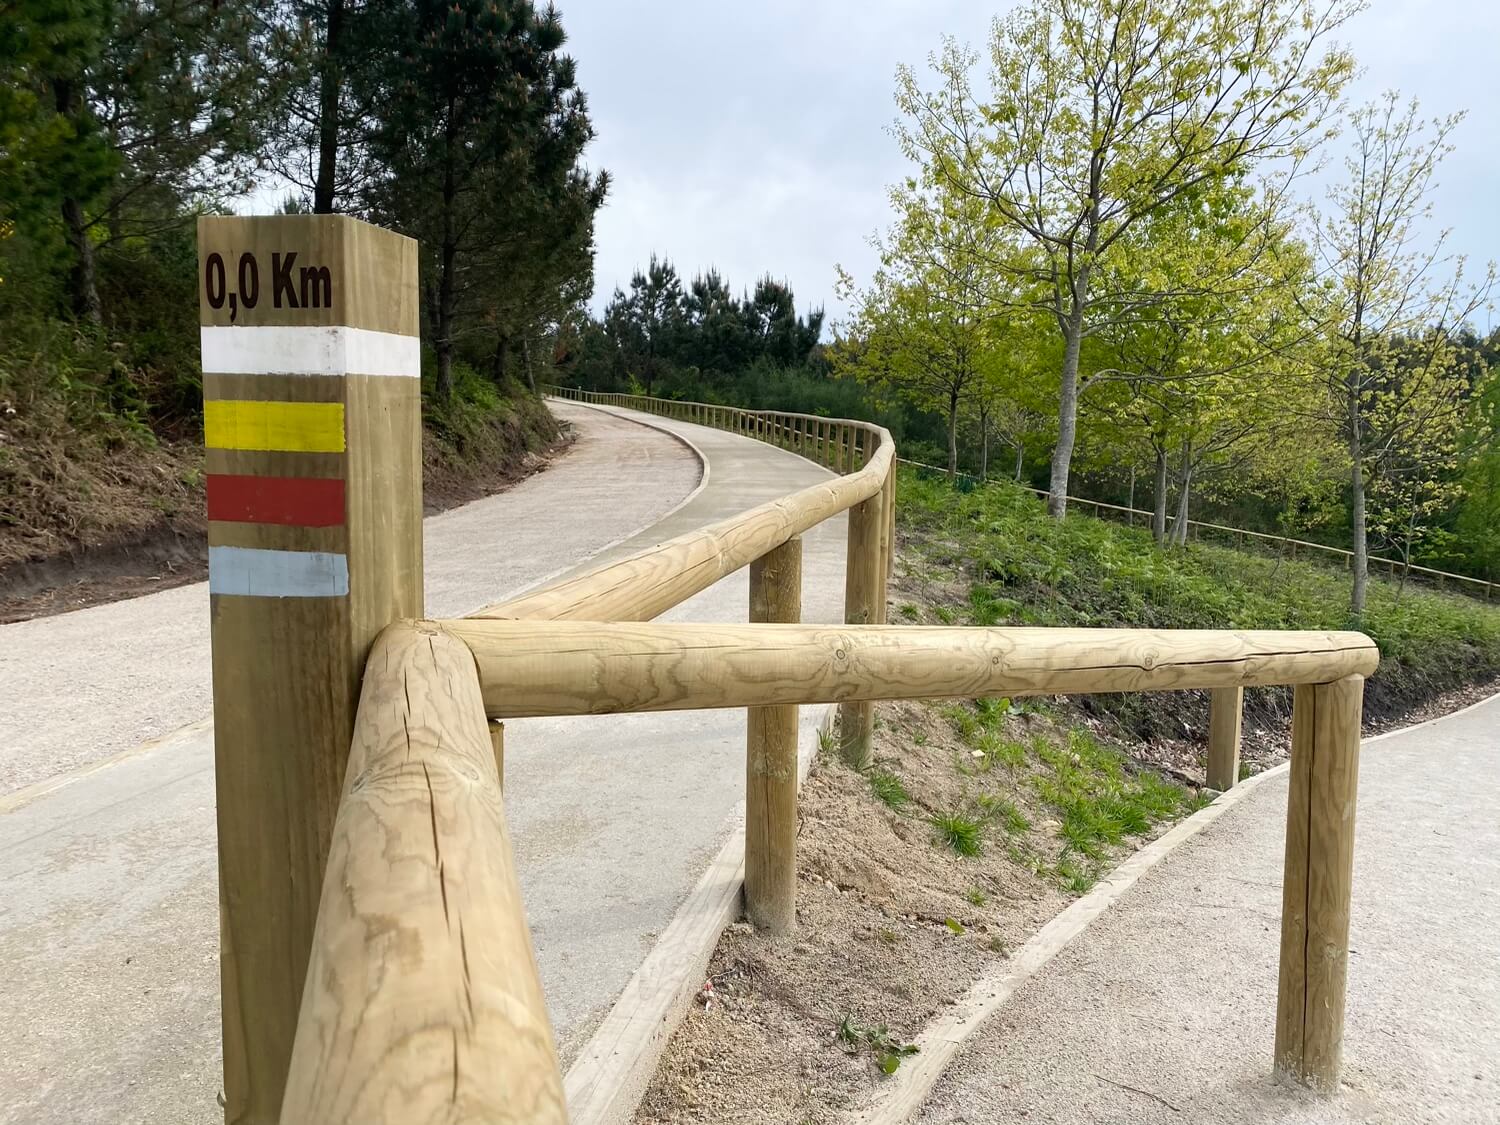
(291, 501)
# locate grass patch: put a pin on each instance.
(1099, 801)
(964, 834)
(1021, 567)
(1004, 813)
(888, 788)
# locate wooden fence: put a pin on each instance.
(376, 959)
(1240, 536)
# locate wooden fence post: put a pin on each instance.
(497, 745)
(312, 422)
(864, 604)
(1316, 884)
(1225, 707)
(889, 542)
(771, 759)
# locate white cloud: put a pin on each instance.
(755, 138)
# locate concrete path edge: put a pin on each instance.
(898, 1099)
(639, 420)
(606, 1083)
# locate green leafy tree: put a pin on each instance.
(123, 113)
(1099, 116)
(1394, 307)
(475, 102)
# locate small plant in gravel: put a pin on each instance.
(888, 1051)
(826, 742)
(909, 611)
(964, 720)
(998, 748)
(1004, 813)
(887, 786)
(1097, 802)
(992, 712)
(962, 833)
(1073, 876)
(954, 925)
(977, 897)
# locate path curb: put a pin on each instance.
(895, 1101)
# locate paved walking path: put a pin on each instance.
(109, 915)
(1164, 1009)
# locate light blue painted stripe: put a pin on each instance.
(259, 573)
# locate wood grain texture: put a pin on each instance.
(1330, 870)
(1225, 708)
(422, 1002)
(286, 671)
(863, 572)
(372, 272)
(579, 668)
(652, 581)
(771, 759)
(497, 745)
(1317, 887)
(1291, 985)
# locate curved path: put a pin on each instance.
(109, 917)
(1164, 1009)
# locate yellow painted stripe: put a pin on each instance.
(294, 427)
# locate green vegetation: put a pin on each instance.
(121, 123)
(1099, 803)
(1024, 569)
(964, 834)
(888, 1052)
(888, 787)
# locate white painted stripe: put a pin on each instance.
(259, 573)
(308, 350)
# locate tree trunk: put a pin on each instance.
(1180, 526)
(526, 365)
(1067, 417)
(984, 441)
(1159, 503)
(1130, 502)
(1184, 490)
(500, 360)
(82, 285)
(442, 329)
(1361, 561)
(953, 435)
(1020, 459)
(328, 113)
(81, 279)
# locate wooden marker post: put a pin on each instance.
(771, 758)
(312, 422)
(1316, 884)
(1225, 708)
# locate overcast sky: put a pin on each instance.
(755, 137)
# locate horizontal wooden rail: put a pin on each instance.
(586, 668)
(422, 1000)
(1393, 566)
(654, 580)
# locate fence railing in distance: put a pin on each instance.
(1467, 584)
